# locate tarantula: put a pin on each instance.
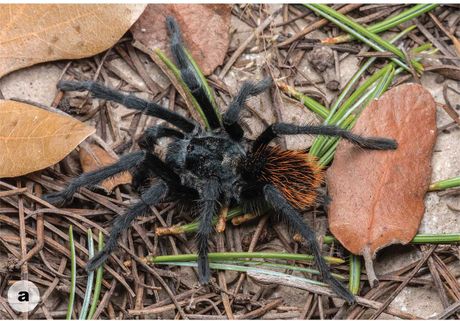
(216, 167)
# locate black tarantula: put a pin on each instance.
(216, 167)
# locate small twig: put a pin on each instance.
(438, 283)
(434, 40)
(455, 41)
(318, 24)
(105, 300)
(300, 283)
(395, 293)
(222, 282)
(257, 313)
(251, 248)
(448, 108)
(243, 46)
(40, 235)
(454, 308)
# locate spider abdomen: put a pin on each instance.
(294, 173)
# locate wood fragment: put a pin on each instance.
(221, 222)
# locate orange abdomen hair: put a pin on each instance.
(295, 173)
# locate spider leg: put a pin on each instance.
(152, 134)
(295, 221)
(190, 75)
(231, 116)
(147, 142)
(130, 101)
(277, 129)
(209, 209)
(151, 196)
(125, 163)
(165, 173)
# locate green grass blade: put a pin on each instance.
(238, 268)
(446, 183)
(308, 102)
(208, 90)
(172, 67)
(355, 274)
(404, 16)
(193, 227)
(356, 77)
(391, 22)
(98, 283)
(89, 283)
(319, 141)
(73, 275)
(436, 239)
(418, 239)
(282, 267)
(240, 255)
(362, 34)
(329, 145)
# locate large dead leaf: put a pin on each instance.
(32, 138)
(34, 33)
(93, 157)
(205, 29)
(378, 196)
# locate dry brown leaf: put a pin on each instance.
(378, 196)
(32, 138)
(34, 33)
(94, 157)
(204, 27)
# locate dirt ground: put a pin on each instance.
(38, 84)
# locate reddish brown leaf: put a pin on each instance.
(93, 157)
(34, 33)
(205, 29)
(378, 196)
(32, 138)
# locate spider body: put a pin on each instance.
(215, 167)
(208, 155)
(295, 173)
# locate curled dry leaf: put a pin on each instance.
(93, 157)
(205, 29)
(34, 33)
(32, 138)
(378, 196)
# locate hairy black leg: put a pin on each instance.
(190, 75)
(125, 163)
(141, 175)
(277, 129)
(162, 170)
(209, 208)
(152, 134)
(147, 142)
(231, 116)
(130, 101)
(151, 196)
(295, 221)
(154, 166)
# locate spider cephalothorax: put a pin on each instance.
(215, 167)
